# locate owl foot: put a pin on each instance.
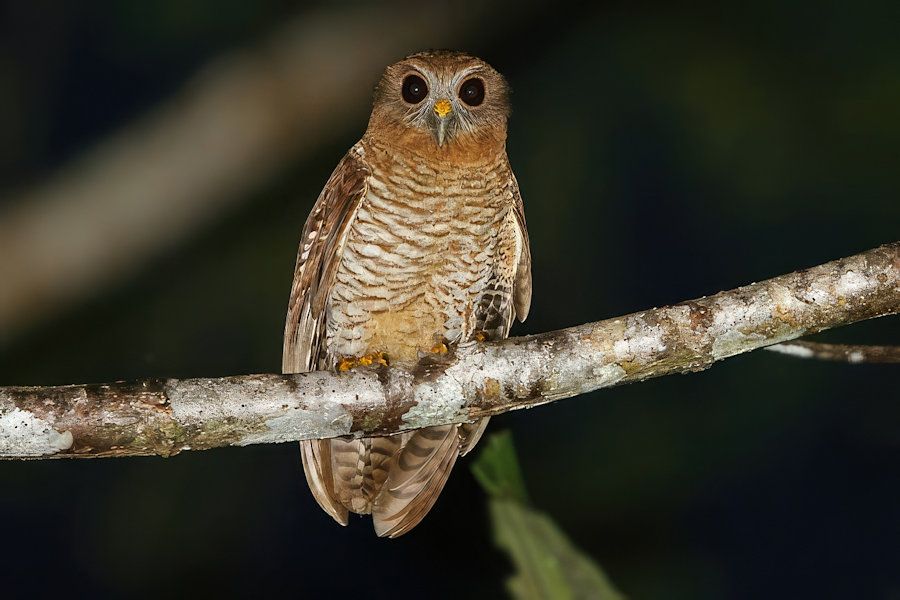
(439, 349)
(375, 358)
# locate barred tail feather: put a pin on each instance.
(316, 456)
(416, 478)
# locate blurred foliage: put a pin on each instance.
(547, 564)
(497, 469)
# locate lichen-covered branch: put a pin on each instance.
(167, 416)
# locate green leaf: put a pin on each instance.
(497, 469)
(547, 564)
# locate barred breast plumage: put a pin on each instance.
(417, 241)
(419, 255)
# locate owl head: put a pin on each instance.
(442, 97)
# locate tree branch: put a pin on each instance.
(166, 416)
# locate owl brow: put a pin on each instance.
(466, 74)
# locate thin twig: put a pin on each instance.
(839, 352)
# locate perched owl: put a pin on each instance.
(417, 241)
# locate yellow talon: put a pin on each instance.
(380, 358)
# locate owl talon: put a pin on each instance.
(375, 358)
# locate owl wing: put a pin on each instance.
(507, 294)
(521, 298)
(321, 245)
(522, 278)
(324, 235)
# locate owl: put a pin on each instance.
(417, 242)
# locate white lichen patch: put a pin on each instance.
(438, 405)
(793, 350)
(442, 400)
(852, 283)
(785, 300)
(815, 294)
(732, 313)
(23, 434)
(733, 342)
(285, 427)
(640, 339)
(608, 375)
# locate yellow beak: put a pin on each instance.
(443, 109)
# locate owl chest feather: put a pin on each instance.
(423, 247)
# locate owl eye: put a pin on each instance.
(414, 89)
(472, 91)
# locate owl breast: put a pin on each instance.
(423, 250)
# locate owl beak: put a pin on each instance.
(442, 130)
(444, 112)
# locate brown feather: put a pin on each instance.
(322, 238)
(316, 455)
(470, 433)
(418, 475)
(522, 287)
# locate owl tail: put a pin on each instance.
(396, 478)
(316, 455)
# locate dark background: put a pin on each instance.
(663, 154)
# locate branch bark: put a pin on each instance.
(166, 416)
